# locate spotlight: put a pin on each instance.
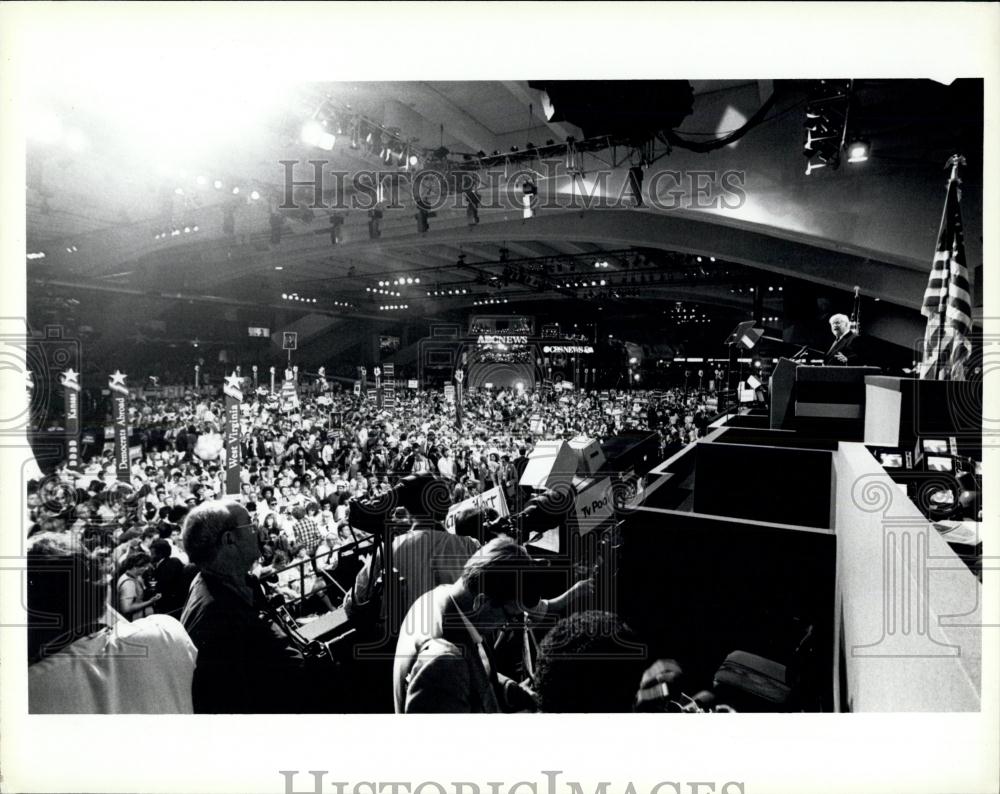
(217, 184)
(236, 191)
(858, 151)
(254, 195)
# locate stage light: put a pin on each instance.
(217, 184)
(858, 151)
(311, 132)
(194, 228)
(414, 160)
(254, 195)
(187, 230)
(179, 191)
(236, 191)
(284, 296)
(279, 267)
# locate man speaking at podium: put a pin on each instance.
(846, 347)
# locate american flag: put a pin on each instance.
(948, 300)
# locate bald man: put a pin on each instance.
(245, 664)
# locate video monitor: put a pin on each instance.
(939, 463)
(935, 446)
(891, 460)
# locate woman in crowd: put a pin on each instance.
(130, 587)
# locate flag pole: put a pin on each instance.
(954, 162)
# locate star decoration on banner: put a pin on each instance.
(70, 378)
(117, 379)
(233, 382)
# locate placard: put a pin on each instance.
(493, 498)
(594, 506)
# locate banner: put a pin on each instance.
(119, 400)
(491, 499)
(71, 400)
(459, 377)
(234, 397)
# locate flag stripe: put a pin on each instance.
(947, 301)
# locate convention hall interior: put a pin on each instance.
(697, 364)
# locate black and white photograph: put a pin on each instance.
(600, 398)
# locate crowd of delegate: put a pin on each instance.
(147, 546)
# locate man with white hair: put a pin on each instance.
(845, 348)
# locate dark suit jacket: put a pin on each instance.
(850, 345)
(173, 579)
(245, 664)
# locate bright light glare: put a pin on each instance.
(857, 153)
(44, 128)
(311, 131)
(76, 141)
(149, 108)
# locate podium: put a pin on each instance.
(828, 402)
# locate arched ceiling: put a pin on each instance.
(103, 215)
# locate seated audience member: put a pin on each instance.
(589, 662)
(132, 600)
(83, 659)
(241, 657)
(443, 661)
